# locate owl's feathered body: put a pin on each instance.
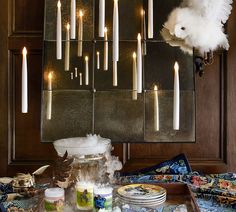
(199, 24)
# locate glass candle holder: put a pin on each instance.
(103, 198)
(54, 199)
(84, 195)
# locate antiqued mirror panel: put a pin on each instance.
(79, 96)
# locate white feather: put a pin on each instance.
(40, 170)
(199, 24)
(218, 10)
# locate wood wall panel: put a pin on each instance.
(3, 88)
(231, 97)
(26, 17)
(26, 127)
(20, 147)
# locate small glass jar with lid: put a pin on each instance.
(54, 199)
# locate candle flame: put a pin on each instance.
(59, 4)
(105, 29)
(139, 36)
(24, 51)
(80, 74)
(98, 53)
(115, 1)
(68, 26)
(86, 58)
(142, 12)
(134, 55)
(50, 75)
(81, 13)
(155, 88)
(176, 66)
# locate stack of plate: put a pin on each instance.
(142, 194)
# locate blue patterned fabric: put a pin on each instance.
(213, 192)
(6, 188)
(177, 165)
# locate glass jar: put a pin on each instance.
(84, 196)
(54, 199)
(103, 198)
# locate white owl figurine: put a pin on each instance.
(198, 24)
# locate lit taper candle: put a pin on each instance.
(59, 32)
(76, 72)
(67, 48)
(73, 19)
(98, 60)
(86, 60)
(50, 81)
(176, 104)
(24, 81)
(80, 34)
(156, 109)
(139, 64)
(115, 31)
(49, 102)
(101, 18)
(134, 93)
(150, 18)
(105, 50)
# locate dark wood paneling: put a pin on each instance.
(26, 17)
(3, 88)
(231, 95)
(26, 127)
(20, 147)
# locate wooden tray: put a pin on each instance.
(179, 193)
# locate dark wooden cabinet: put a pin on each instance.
(21, 24)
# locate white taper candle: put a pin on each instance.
(50, 81)
(80, 79)
(80, 34)
(143, 27)
(115, 31)
(150, 18)
(67, 48)
(98, 60)
(49, 105)
(73, 19)
(49, 100)
(115, 83)
(156, 109)
(176, 104)
(105, 50)
(86, 59)
(139, 64)
(101, 18)
(59, 32)
(24, 81)
(134, 93)
(76, 72)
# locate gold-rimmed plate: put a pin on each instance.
(141, 191)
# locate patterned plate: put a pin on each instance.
(153, 201)
(143, 202)
(141, 191)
